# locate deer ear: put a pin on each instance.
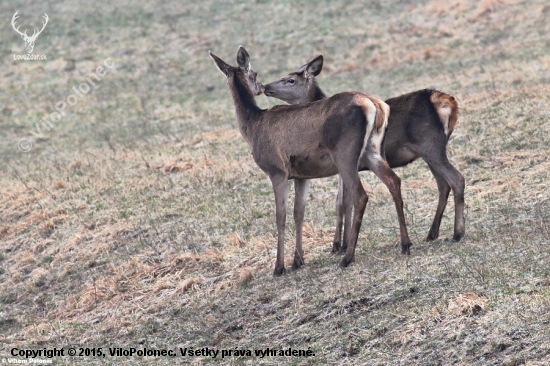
(302, 69)
(314, 67)
(220, 64)
(243, 59)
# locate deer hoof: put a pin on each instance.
(335, 247)
(432, 235)
(345, 262)
(406, 248)
(297, 264)
(458, 236)
(343, 249)
(278, 271)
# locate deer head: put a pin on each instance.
(298, 87)
(244, 70)
(29, 41)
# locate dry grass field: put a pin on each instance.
(141, 220)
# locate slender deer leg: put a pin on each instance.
(458, 185)
(337, 243)
(459, 209)
(393, 182)
(444, 189)
(347, 208)
(343, 207)
(280, 188)
(301, 187)
(360, 200)
(441, 165)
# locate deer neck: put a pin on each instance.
(248, 112)
(315, 92)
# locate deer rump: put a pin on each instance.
(414, 117)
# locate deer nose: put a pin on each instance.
(267, 90)
(261, 88)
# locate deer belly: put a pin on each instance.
(311, 166)
(400, 156)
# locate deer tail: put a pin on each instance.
(382, 114)
(447, 109)
(377, 113)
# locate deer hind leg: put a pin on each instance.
(457, 184)
(348, 204)
(356, 193)
(337, 242)
(343, 216)
(444, 189)
(458, 193)
(301, 187)
(383, 171)
(280, 188)
(442, 167)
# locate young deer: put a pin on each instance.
(419, 125)
(301, 142)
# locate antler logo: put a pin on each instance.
(29, 41)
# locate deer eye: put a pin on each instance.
(290, 81)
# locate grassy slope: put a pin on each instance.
(141, 219)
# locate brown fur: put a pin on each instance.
(301, 142)
(419, 125)
(303, 87)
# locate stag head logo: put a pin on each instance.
(29, 40)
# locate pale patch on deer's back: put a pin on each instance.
(447, 110)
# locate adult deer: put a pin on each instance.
(29, 41)
(419, 125)
(308, 141)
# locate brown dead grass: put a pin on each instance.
(467, 304)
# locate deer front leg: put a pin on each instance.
(301, 187)
(280, 189)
